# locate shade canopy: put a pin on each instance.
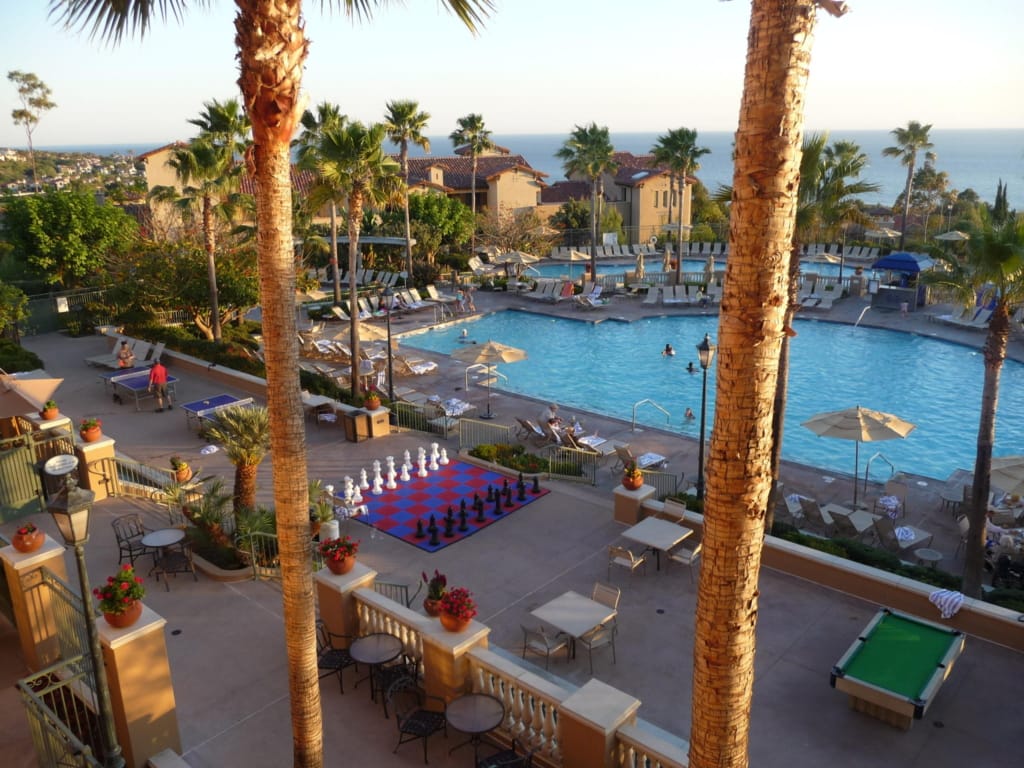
(882, 233)
(21, 393)
(1007, 474)
(904, 261)
(514, 257)
(953, 236)
(861, 425)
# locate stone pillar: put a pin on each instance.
(33, 616)
(445, 667)
(141, 690)
(335, 596)
(97, 481)
(628, 504)
(589, 719)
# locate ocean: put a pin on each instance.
(973, 159)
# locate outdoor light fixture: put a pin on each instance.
(705, 354)
(387, 295)
(70, 509)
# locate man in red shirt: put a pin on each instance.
(158, 385)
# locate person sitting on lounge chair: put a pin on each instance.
(125, 356)
(550, 416)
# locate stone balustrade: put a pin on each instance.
(637, 745)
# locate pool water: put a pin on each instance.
(608, 367)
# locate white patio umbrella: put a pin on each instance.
(489, 354)
(575, 256)
(883, 233)
(860, 425)
(1007, 474)
(21, 393)
(953, 236)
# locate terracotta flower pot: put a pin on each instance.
(632, 482)
(126, 619)
(372, 403)
(91, 435)
(432, 607)
(49, 414)
(28, 542)
(453, 623)
(342, 566)
(183, 475)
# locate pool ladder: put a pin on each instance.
(487, 373)
(648, 401)
(867, 469)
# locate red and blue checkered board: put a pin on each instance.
(395, 512)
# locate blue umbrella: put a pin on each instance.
(903, 261)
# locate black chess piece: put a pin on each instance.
(536, 483)
(462, 506)
(450, 515)
(508, 497)
(520, 481)
(504, 485)
(480, 517)
(490, 492)
(420, 532)
(449, 527)
(476, 500)
(497, 505)
(463, 526)
(521, 496)
(433, 524)
(434, 541)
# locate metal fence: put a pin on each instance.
(474, 432)
(666, 483)
(64, 728)
(574, 465)
(261, 552)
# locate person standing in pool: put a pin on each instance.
(668, 351)
(691, 368)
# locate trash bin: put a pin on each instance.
(356, 425)
(380, 424)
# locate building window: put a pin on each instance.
(656, 199)
(664, 198)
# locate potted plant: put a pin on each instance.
(436, 587)
(339, 554)
(182, 471)
(632, 477)
(121, 598)
(90, 429)
(28, 538)
(457, 609)
(321, 506)
(50, 411)
(372, 401)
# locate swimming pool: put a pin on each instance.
(607, 367)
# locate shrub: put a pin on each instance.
(14, 358)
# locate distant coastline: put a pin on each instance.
(975, 159)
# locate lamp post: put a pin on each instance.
(705, 353)
(387, 295)
(70, 509)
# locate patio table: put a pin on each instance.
(574, 614)
(474, 714)
(657, 535)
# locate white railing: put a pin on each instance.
(378, 613)
(637, 746)
(531, 702)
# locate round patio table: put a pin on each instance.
(475, 714)
(373, 650)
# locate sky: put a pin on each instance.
(538, 66)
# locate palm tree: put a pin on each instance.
(993, 269)
(352, 163)
(589, 152)
(405, 124)
(313, 125)
(245, 435)
(272, 47)
(909, 141)
(472, 133)
(685, 162)
(751, 327)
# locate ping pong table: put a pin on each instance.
(107, 377)
(136, 383)
(206, 409)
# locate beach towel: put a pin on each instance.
(904, 534)
(947, 601)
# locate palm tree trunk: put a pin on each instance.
(754, 305)
(334, 254)
(593, 228)
(355, 217)
(679, 236)
(210, 242)
(404, 159)
(271, 52)
(245, 487)
(906, 203)
(995, 354)
(472, 201)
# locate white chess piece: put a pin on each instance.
(404, 477)
(444, 456)
(391, 484)
(364, 484)
(376, 473)
(349, 489)
(377, 488)
(357, 495)
(433, 463)
(421, 452)
(407, 459)
(433, 451)
(423, 467)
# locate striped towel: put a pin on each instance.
(904, 534)
(947, 601)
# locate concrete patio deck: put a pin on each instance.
(226, 643)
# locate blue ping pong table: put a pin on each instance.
(206, 409)
(136, 384)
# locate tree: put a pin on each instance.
(993, 270)
(313, 125)
(35, 99)
(909, 141)
(572, 214)
(472, 134)
(751, 327)
(64, 236)
(13, 309)
(351, 162)
(1001, 206)
(244, 434)
(450, 220)
(405, 124)
(272, 47)
(588, 152)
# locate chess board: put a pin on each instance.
(397, 511)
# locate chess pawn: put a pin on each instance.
(521, 496)
(508, 498)
(480, 517)
(433, 462)
(391, 484)
(423, 467)
(404, 476)
(357, 495)
(463, 526)
(449, 527)
(378, 483)
(444, 457)
(420, 532)
(490, 492)
(364, 484)
(434, 541)
(536, 484)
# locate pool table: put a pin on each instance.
(894, 669)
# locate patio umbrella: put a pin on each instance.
(709, 270)
(904, 261)
(860, 425)
(666, 261)
(953, 236)
(1007, 474)
(882, 234)
(21, 393)
(575, 255)
(489, 354)
(367, 332)
(640, 271)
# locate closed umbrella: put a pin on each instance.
(861, 425)
(1007, 474)
(21, 393)
(640, 271)
(489, 354)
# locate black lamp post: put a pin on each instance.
(705, 353)
(70, 509)
(387, 295)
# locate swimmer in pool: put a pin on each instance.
(668, 351)
(689, 414)
(691, 368)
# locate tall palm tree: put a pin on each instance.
(471, 133)
(313, 126)
(405, 124)
(272, 46)
(993, 269)
(909, 141)
(764, 204)
(663, 153)
(352, 162)
(687, 163)
(244, 434)
(588, 152)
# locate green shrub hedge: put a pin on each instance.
(14, 358)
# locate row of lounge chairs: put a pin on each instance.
(564, 253)
(381, 277)
(551, 290)
(969, 317)
(146, 353)
(815, 299)
(833, 520)
(683, 295)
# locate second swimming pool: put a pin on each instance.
(607, 367)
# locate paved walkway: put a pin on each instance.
(231, 686)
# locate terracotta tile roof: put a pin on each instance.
(564, 191)
(458, 170)
(164, 148)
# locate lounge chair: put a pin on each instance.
(855, 526)
(565, 292)
(653, 294)
(529, 431)
(413, 366)
(901, 539)
(435, 295)
(822, 519)
(643, 461)
(674, 295)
